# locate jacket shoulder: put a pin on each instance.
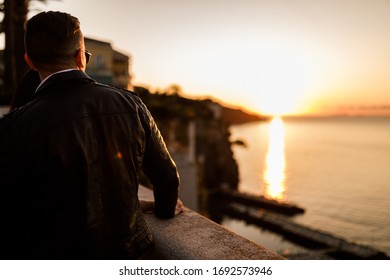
(122, 90)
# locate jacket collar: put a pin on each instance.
(62, 76)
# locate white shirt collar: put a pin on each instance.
(45, 79)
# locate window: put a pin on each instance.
(99, 62)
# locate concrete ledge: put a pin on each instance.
(190, 236)
(3, 110)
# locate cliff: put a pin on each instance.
(238, 116)
(173, 113)
(171, 105)
(215, 163)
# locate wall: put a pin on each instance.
(190, 236)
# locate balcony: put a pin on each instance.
(190, 236)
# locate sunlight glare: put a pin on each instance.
(266, 76)
(274, 174)
(279, 80)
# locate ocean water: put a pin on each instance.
(337, 168)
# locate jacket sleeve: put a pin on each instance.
(160, 169)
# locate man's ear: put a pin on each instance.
(80, 60)
(29, 62)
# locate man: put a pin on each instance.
(70, 158)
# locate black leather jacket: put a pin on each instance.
(69, 166)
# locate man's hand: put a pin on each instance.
(147, 206)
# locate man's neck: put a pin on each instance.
(45, 76)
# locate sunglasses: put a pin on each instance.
(87, 55)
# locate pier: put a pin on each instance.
(229, 196)
(333, 246)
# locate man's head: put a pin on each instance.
(54, 42)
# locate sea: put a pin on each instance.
(336, 168)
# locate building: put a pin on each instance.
(121, 75)
(108, 66)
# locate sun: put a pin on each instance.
(277, 104)
(278, 95)
(283, 81)
(269, 76)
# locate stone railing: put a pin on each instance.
(3, 110)
(190, 236)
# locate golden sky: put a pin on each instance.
(273, 57)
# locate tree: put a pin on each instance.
(15, 15)
(174, 89)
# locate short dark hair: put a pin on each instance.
(52, 38)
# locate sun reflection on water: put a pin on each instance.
(274, 173)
